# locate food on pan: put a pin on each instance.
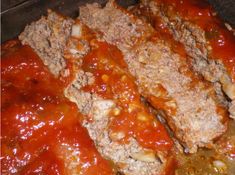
(80, 97)
(164, 78)
(209, 41)
(41, 132)
(120, 124)
(123, 129)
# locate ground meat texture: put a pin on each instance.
(163, 77)
(204, 36)
(129, 158)
(99, 106)
(48, 37)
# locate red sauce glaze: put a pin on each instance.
(112, 81)
(221, 40)
(160, 104)
(171, 166)
(41, 133)
(163, 33)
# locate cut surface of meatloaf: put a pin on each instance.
(123, 129)
(163, 77)
(48, 37)
(206, 39)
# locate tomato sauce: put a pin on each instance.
(112, 81)
(171, 166)
(201, 13)
(41, 133)
(164, 34)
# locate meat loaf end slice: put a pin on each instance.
(48, 37)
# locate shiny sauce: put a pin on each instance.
(221, 40)
(163, 33)
(130, 117)
(41, 133)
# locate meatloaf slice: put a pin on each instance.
(116, 118)
(126, 146)
(206, 39)
(48, 37)
(163, 77)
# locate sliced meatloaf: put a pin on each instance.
(123, 129)
(163, 77)
(206, 39)
(48, 37)
(121, 126)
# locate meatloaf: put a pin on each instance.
(163, 77)
(122, 127)
(209, 41)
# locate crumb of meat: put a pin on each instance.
(81, 98)
(232, 109)
(79, 43)
(73, 52)
(48, 37)
(220, 94)
(196, 122)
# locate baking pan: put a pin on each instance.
(16, 14)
